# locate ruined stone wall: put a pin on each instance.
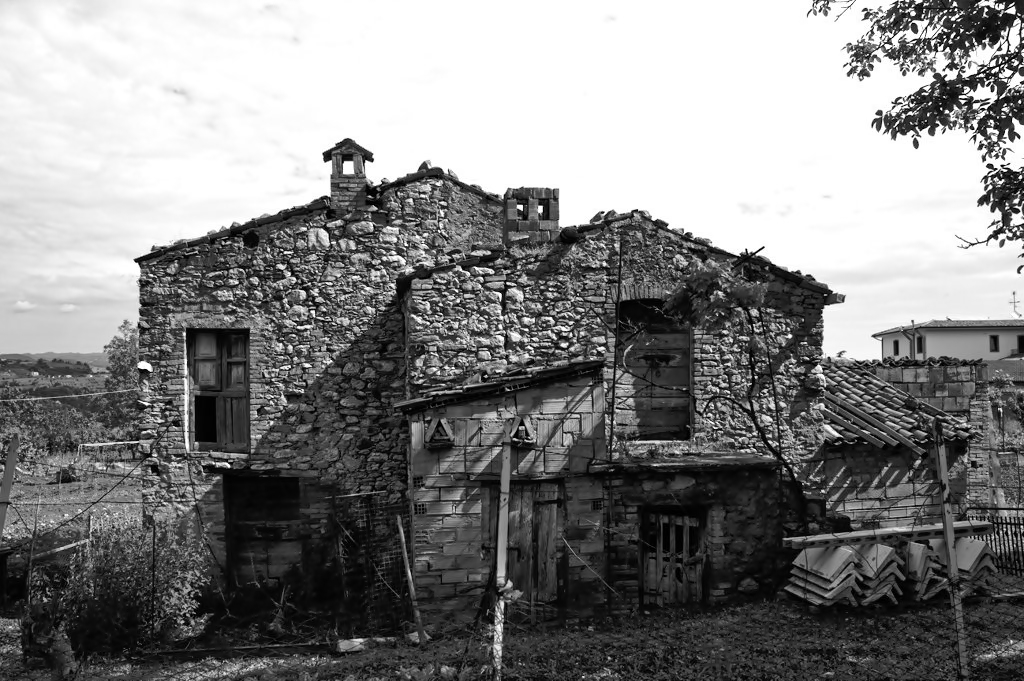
(316, 293)
(544, 303)
(440, 214)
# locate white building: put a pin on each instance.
(985, 339)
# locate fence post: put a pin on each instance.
(8, 481)
(955, 592)
(500, 551)
(152, 583)
(412, 585)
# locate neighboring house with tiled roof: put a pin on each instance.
(877, 463)
(986, 339)
(387, 347)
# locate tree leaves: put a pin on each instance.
(966, 47)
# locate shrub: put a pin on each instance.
(136, 585)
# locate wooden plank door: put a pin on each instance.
(534, 532)
(672, 560)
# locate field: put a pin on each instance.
(60, 512)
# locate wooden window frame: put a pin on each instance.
(233, 399)
(653, 308)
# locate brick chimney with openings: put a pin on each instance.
(531, 215)
(348, 175)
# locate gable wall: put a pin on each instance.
(554, 302)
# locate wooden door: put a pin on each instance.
(535, 522)
(672, 559)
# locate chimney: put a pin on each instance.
(348, 175)
(531, 215)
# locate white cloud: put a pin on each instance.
(119, 107)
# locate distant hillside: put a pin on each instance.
(93, 359)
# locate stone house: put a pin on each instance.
(398, 340)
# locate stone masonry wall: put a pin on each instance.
(544, 303)
(316, 293)
(743, 528)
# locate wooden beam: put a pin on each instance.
(961, 528)
(836, 418)
(956, 594)
(500, 554)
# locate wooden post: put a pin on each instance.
(955, 591)
(412, 585)
(8, 481)
(500, 553)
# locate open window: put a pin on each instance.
(218, 363)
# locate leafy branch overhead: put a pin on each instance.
(970, 53)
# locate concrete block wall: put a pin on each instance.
(880, 488)
(960, 388)
(452, 486)
(535, 226)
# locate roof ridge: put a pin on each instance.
(321, 203)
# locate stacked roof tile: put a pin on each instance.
(860, 407)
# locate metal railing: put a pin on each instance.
(1007, 537)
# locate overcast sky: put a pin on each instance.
(129, 123)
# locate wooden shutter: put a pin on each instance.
(205, 361)
(219, 368)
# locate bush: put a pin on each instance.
(135, 586)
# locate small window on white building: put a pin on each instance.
(993, 343)
(919, 345)
(896, 348)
